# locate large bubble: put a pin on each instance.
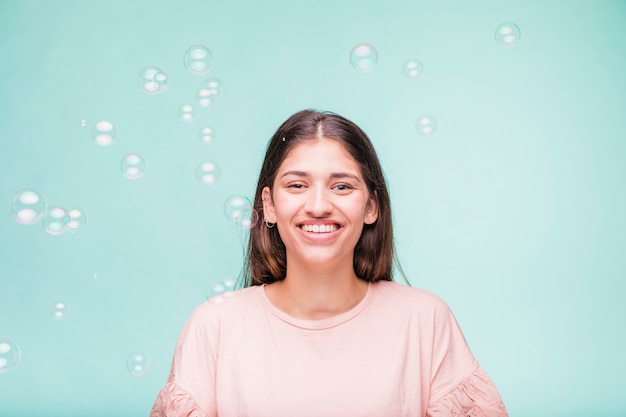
(153, 80)
(133, 166)
(198, 59)
(138, 363)
(208, 173)
(104, 133)
(507, 34)
(9, 354)
(28, 206)
(56, 220)
(364, 57)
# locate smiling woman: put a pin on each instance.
(320, 329)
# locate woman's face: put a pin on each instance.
(319, 202)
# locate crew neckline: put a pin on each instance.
(322, 323)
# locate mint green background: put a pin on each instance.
(513, 211)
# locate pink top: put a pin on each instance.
(399, 352)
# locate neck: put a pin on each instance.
(316, 295)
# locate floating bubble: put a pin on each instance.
(249, 219)
(28, 207)
(412, 68)
(187, 113)
(208, 173)
(104, 133)
(198, 59)
(237, 208)
(56, 220)
(220, 290)
(138, 363)
(133, 166)
(59, 310)
(206, 134)
(214, 86)
(153, 80)
(204, 97)
(425, 125)
(83, 123)
(9, 354)
(364, 57)
(77, 220)
(507, 34)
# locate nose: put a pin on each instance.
(318, 203)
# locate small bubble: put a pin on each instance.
(204, 97)
(412, 68)
(55, 221)
(198, 59)
(187, 113)
(104, 133)
(77, 220)
(220, 290)
(133, 166)
(237, 208)
(83, 123)
(28, 207)
(138, 363)
(59, 310)
(507, 34)
(206, 134)
(9, 354)
(426, 125)
(364, 57)
(214, 86)
(153, 80)
(208, 173)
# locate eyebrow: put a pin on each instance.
(332, 175)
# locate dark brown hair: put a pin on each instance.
(266, 259)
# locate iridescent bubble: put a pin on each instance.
(77, 220)
(59, 310)
(133, 166)
(83, 123)
(104, 133)
(138, 363)
(55, 221)
(507, 34)
(28, 206)
(187, 113)
(206, 134)
(208, 173)
(249, 219)
(237, 208)
(198, 59)
(214, 86)
(9, 354)
(412, 68)
(364, 57)
(426, 125)
(220, 290)
(153, 80)
(204, 97)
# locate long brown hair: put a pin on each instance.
(266, 259)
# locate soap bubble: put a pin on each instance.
(204, 97)
(55, 221)
(426, 125)
(77, 220)
(237, 208)
(220, 290)
(28, 206)
(9, 354)
(153, 80)
(412, 68)
(206, 134)
(133, 166)
(138, 363)
(198, 59)
(364, 57)
(507, 34)
(59, 310)
(104, 133)
(208, 173)
(214, 86)
(83, 123)
(187, 113)
(248, 219)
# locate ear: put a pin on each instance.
(269, 213)
(371, 211)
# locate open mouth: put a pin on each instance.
(319, 228)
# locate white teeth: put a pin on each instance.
(319, 228)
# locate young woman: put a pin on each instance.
(320, 329)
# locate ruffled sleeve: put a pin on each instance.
(175, 401)
(476, 396)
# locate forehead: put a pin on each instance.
(322, 152)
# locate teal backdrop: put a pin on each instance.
(512, 209)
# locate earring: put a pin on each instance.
(269, 224)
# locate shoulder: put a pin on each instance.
(400, 295)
